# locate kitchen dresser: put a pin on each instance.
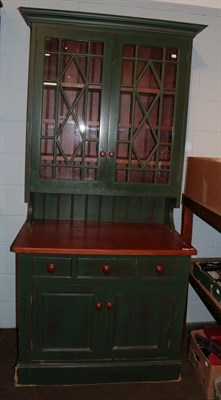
(101, 271)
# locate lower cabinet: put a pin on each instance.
(85, 319)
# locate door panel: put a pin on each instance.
(140, 321)
(65, 322)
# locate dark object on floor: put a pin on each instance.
(187, 388)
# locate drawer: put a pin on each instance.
(51, 267)
(107, 267)
(159, 267)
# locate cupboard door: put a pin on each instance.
(67, 321)
(110, 112)
(71, 102)
(146, 127)
(140, 321)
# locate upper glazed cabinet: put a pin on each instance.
(108, 103)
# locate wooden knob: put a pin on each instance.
(103, 154)
(160, 269)
(109, 305)
(51, 268)
(106, 269)
(99, 306)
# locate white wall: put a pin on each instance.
(201, 3)
(203, 136)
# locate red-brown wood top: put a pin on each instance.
(114, 238)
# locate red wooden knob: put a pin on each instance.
(160, 269)
(51, 268)
(109, 305)
(106, 269)
(111, 153)
(99, 306)
(102, 153)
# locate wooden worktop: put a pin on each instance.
(75, 237)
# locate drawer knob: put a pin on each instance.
(111, 153)
(99, 306)
(160, 269)
(109, 305)
(106, 269)
(103, 153)
(51, 268)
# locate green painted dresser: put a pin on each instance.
(101, 272)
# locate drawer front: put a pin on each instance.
(51, 267)
(109, 267)
(160, 267)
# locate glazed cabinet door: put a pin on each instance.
(70, 98)
(147, 114)
(109, 111)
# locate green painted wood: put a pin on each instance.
(37, 15)
(23, 312)
(104, 372)
(66, 322)
(135, 322)
(64, 338)
(136, 31)
(59, 319)
(100, 208)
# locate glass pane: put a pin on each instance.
(163, 177)
(51, 44)
(125, 110)
(168, 110)
(170, 76)
(91, 151)
(122, 152)
(96, 48)
(48, 109)
(164, 154)
(47, 129)
(172, 54)
(127, 73)
(144, 143)
(46, 172)
(166, 136)
(47, 151)
(123, 134)
(142, 177)
(146, 77)
(70, 71)
(69, 138)
(93, 107)
(90, 174)
(74, 46)
(92, 132)
(60, 160)
(129, 51)
(121, 176)
(68, 173)
(154, 113)
(50, 67)
(150, 52)
(95, 71)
